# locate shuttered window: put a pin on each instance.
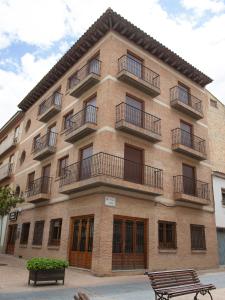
(198, 237)
(38, 233)
(55, 232)
(24, 233)
(167, 235)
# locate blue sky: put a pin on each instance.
(35, 34)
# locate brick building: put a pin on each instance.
(116, 173)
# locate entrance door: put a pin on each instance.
(189, 184)
(134, 111)
(45, 179)
(133, 164)
(221, 245)
(186, 134)
(86, 162)
(11, 239)
(82, 242)
(129, 244)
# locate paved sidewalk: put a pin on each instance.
(13, 285)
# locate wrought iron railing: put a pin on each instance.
(126, 63)
(41, 185)
(177, 93)
(54, 100)
(190, 186)
(103, 164)
(183, 137)
(86, 115)
(6, 170)
(47, 140)
(92, 67)
(138, 118)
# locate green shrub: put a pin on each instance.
(41, 263)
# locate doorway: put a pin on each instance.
(133, 164)
(11, 239)
(189, 183)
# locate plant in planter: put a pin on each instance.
(46, 269)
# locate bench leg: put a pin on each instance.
(203, 293)
(161, 297)
(196, 296)
(210, 295)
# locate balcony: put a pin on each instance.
(44, 146)
(39, 190)
(50, 107)
(188, 144)
(85, 78)
(185, 102)
(191, 191)
(82, 124)
(6, 171)
(8, 143)
(103, 169)
(138, 76)
(137, 122)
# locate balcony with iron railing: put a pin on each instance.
(6, 171)
(8, 143)
(85, 78)
(189, 190)
(50, 107)
(137, 75)
(81, 124)
(185, 102)
(104, 169)
(44, 146)
(39, 190)
(188, 144)
(137, 122)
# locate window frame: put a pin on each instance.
(51, 240)
(202, 227)
(22, 242)
(59, 169)
(37, 230)
(64, 119)
(213, 103)
(223, 193)
(164, 244)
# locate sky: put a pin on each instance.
(35, 34)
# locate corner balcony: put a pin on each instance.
(186, 103)
(8, 143)
(6, 171)
(137, 122)
(190, 190)
(85, 78)
(44, 146)
(137, 75)
(82, 124)
(188, 144)
(39, 190)
(50, 107)
(103, 169)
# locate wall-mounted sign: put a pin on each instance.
(13, 215)
(110, 201)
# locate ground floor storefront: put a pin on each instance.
(110, 233)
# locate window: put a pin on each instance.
(36, 142)
(30, 180)
(62, 164)
(55, 232)
(24, 233)
(72, 81)
(223, 196)
(38, 233)
(16, 133)
(213, 103)
(134, 65)
(17, 191)
(27, 127)
(22, 157)
(66, 120)
(184, 93)
(198, 237)
(167, 235)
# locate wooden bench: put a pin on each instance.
(170, 284)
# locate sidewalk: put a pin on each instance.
(14, 276)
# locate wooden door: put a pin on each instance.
(30, 181)
(52, 136)
(82, 234)
(45, 179)
(184, 93)
(186, 134)
(129, 243)
(134, 65)
(11, 239)
(189, 183)
(134, 111)
(90, 111)
(133, 164)
(86, 162)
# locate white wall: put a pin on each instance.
(218, 184)
(3, 232)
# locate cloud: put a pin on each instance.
(52, 25)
